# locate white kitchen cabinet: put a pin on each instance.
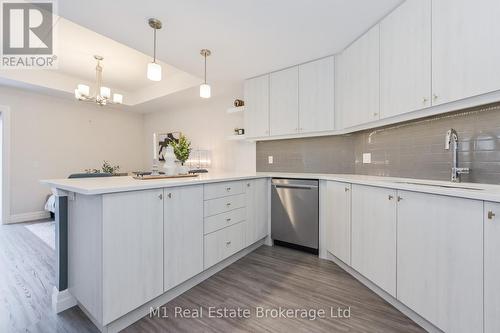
(132, 250)
(440, 259)
(491, 267)
(284, 102)
(183, 234)
(465, 48)
(374, 235)
(256, 112)
(338, 220)
(405, 59)
(358, 81)
(257, 208)
(223, 243)
(316, 95)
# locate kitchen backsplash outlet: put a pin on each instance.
(413, 149)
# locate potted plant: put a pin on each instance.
(182, 149)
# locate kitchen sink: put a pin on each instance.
(441, 185)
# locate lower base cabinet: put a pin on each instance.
(338, 219)
(223, 243)
(257, 209)
(374, 235)
(440, 260)
(491, 267)
(183, 234)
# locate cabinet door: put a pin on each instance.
(257, 210)
(374, 235)
(405, 59)
(465, 48)
(358, 81)
(132, 250)
(183, 234)
(284, 102)
(440, 259)
(316, 95)
(338, 218)
(491, 267)
(257, 106)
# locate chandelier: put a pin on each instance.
(103, 94)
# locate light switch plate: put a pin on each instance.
(367, 158)
(270, 160)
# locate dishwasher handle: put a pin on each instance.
(302, 187)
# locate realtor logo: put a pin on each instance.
(27, 34)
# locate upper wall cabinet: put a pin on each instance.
(257, 106)
(465, 48)
(358, 81)
(405, 59)
(316, 95)
(284, 102)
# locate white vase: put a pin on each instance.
(169, 167)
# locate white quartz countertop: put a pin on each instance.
(94, 186)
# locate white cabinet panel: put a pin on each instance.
(405, 59)
(284, 104)
(338, 218)
(465, 48)
(257, 202)
(374, 235)
(183, 234)
(440, 259)
(222, 205)
(223, 243)
(132, 264)
(491, 267)
(223, 189)
(219, 221)
(358, 82)
(257, 106)
(316, 95)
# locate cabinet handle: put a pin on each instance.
(248, 184)
(160, 196)
(228, 189)
(228, 204)
(424, 100)
(399, 198)
(434, 96)
(169, 195)
(491, 215)
(228, 219)
(228, 243)
(390, 197)
(346, 189)
(375, 114)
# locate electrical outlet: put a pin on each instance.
(367, 158)
(270, 160)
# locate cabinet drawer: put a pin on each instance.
(219, 221)
(223, 243)
(219, 190)
(223, 205)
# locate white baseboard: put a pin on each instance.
(62, 300)
(25, 217)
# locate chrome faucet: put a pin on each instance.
(452, 140)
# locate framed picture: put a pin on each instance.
(164, 140)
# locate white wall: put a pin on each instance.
(53, 137)
(206, 123)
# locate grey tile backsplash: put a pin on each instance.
(412, 149)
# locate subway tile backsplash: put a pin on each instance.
(412, 149)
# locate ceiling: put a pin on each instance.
(247, 37)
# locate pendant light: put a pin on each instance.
(154, 69)
(205, 88)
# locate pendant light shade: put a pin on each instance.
(154, 69)
(205, 91)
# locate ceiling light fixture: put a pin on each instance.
(205, 88)
(103, 94)
(154, 69)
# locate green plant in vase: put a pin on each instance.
(182, 149)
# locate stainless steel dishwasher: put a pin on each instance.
(294, 213)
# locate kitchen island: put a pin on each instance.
(133, 245)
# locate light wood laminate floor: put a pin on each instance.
(269, 277)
